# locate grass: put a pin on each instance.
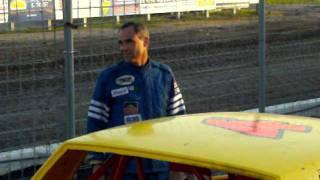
(166, 18)
(157, 20)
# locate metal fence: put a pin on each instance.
(214, 56)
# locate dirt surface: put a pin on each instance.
(215, 62)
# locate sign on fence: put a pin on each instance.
(35, 10)
(30, 10)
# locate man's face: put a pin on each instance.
(132, 45)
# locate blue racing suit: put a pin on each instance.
(126, 93)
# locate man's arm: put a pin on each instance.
(176, 104)
(98, 115)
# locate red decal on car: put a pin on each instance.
(260, 128)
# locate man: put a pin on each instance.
(133, 90)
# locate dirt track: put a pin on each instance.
(216, 65)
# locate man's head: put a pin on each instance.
(134, 42)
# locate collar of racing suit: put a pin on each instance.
(139, 68)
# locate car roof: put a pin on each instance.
(265, 146)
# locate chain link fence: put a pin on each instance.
(214, 55)
(293, 58)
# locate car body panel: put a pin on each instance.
(265, 146)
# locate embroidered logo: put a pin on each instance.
(125, 80)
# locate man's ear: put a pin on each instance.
(146, 41)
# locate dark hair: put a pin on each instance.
(138, 28)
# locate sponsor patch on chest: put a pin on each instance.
(131, 112)
(125, 80)
(130, 107)
(119, 92)
(132, 118)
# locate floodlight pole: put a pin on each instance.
(69, 68)
(262, 57)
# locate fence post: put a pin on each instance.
(69, 67)
(262, 62)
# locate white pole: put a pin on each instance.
(49, 25)
(85, 22)
(12, 27)
(118, 19)
(207, 14)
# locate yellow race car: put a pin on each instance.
(243, 145)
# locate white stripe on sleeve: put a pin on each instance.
(177, 90)
(175, 84)
(97, 116)
(178, 109)
(175, 98)
(99, 104)
(98, 110)
(176, 104)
